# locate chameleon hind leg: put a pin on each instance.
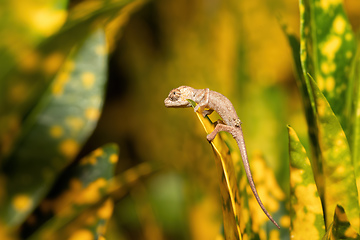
(220, 127)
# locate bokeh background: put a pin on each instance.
(234, 47)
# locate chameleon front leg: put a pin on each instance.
(206, 112)
(203, 102)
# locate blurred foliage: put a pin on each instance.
(52, 91)
(58, 58)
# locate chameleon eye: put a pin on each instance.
(174, 95)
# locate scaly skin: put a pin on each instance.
(217, 102)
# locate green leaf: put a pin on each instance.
(73, 203)
(339, 177)
(306, 211)
(91, 224)
(309, 106)
(341, 228)
(23, 84)
(84, 186)
(327, 49)
(300, 80)
(353, 132)
(55, 130)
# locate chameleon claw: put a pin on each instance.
(196, 108)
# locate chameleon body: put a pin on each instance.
(214, 101)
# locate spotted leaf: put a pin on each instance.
(341, 227)
(91, 224)
(306, 211)
(55, 130)
(339, 176)
(79, 196)
(327, 49)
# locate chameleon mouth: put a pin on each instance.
(171, 104)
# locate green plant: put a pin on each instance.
(324, 197)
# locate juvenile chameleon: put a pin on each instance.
(214, 101)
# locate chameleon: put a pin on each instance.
(208, 101)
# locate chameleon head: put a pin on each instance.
(177, 97)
